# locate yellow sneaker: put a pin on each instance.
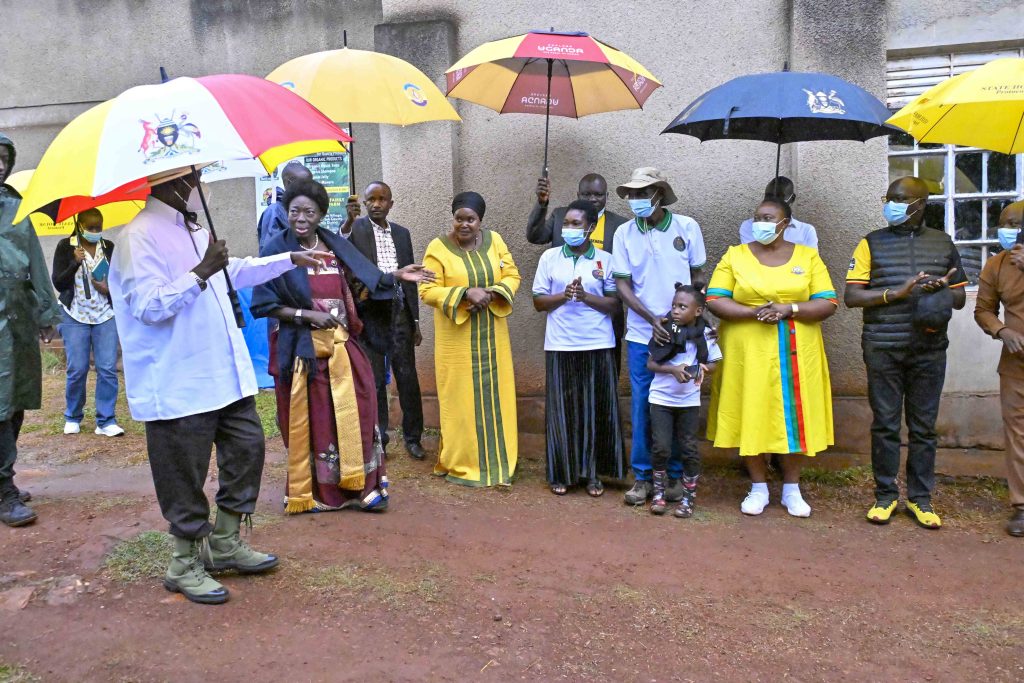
(924, 515)
(881, 513)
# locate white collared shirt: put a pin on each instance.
(654, 259)
(183, 352)
(666, 390)
(797, 232)
(575, 326)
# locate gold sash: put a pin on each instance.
(326, 344)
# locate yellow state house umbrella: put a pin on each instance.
(360, 86)
(551, 73)
(981, 108)
(115, 214)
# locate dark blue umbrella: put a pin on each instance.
(783, 107)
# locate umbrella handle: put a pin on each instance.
(236, 305)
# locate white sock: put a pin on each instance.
(761, 488)
(788, 489)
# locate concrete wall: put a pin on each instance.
(71, 54)
(921, 25)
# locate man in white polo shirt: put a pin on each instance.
(798, 232)
(651, 253)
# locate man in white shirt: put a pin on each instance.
(652, 252)
(189, 378)
(798, 232)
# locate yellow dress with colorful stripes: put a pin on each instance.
(476, 386)
(771, 391)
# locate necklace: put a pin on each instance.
(476, 243)
(316, 243)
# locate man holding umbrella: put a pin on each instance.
(189, 378)
(28, 311)
(653, 251)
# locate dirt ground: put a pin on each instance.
(463, 584)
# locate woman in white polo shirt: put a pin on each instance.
(575, 287)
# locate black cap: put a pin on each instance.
(933, 311)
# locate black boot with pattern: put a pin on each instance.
(658, 503)
(689, 501)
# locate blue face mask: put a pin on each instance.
(574, 237)
(896, 213)
(642, 208)
(93, 237)
(1007, 237)
(764, 231)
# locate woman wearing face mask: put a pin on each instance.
(476, 388)
(80, 264)
(575, 287)
(771, 393)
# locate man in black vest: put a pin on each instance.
(542, 229)
(908, 279)
(391, 328)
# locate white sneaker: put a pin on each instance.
(71, 428)
(110, 430)
(754, 503)
(795, 505)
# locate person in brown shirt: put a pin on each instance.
(1002, 282)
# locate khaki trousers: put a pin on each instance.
(1011, 395)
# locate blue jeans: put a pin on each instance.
(101, 340)
(640, 379)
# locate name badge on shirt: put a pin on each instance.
(679, 243)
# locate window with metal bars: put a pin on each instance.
(968, 186)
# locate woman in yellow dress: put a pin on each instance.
(476, 389)
(771, 393)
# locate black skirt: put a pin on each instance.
(584, 432)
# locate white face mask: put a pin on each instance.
(764, 231)
(193, 204)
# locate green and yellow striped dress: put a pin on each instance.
(476, 386)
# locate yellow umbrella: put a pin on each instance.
(981, 108)
(114, 215)
(551, 73)
(360, 86)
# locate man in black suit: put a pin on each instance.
(542, 229)
(391, 328)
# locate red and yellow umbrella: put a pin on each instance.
(551, 73)
(152, 132)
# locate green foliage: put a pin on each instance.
(142, 557)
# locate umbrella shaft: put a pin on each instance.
(236, 305)
(547, 117)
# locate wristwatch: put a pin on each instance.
(297, 318)
(200, 282)
(796, 309)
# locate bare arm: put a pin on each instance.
(626, 293)
(861, 296)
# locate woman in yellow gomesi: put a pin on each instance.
(472, 299)
(771, 393)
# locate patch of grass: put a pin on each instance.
(141, 557)
(630, 595)
(12, 673)
(349, 578)
(485, 577)
(850, 476)
(993, 629)
(53, 362)
(266, 408)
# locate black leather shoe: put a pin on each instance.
(1015, 527)
(415, 450)
(15, 513)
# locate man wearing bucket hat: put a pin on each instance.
(651, 253)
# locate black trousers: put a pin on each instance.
(901, 380)
(9, 431)
(401, 352)
(179, 457)
(675, 426)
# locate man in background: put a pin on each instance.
(798, 232)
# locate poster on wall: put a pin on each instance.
(330, 169)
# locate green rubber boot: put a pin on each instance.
(187, 576)
(227, 550)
